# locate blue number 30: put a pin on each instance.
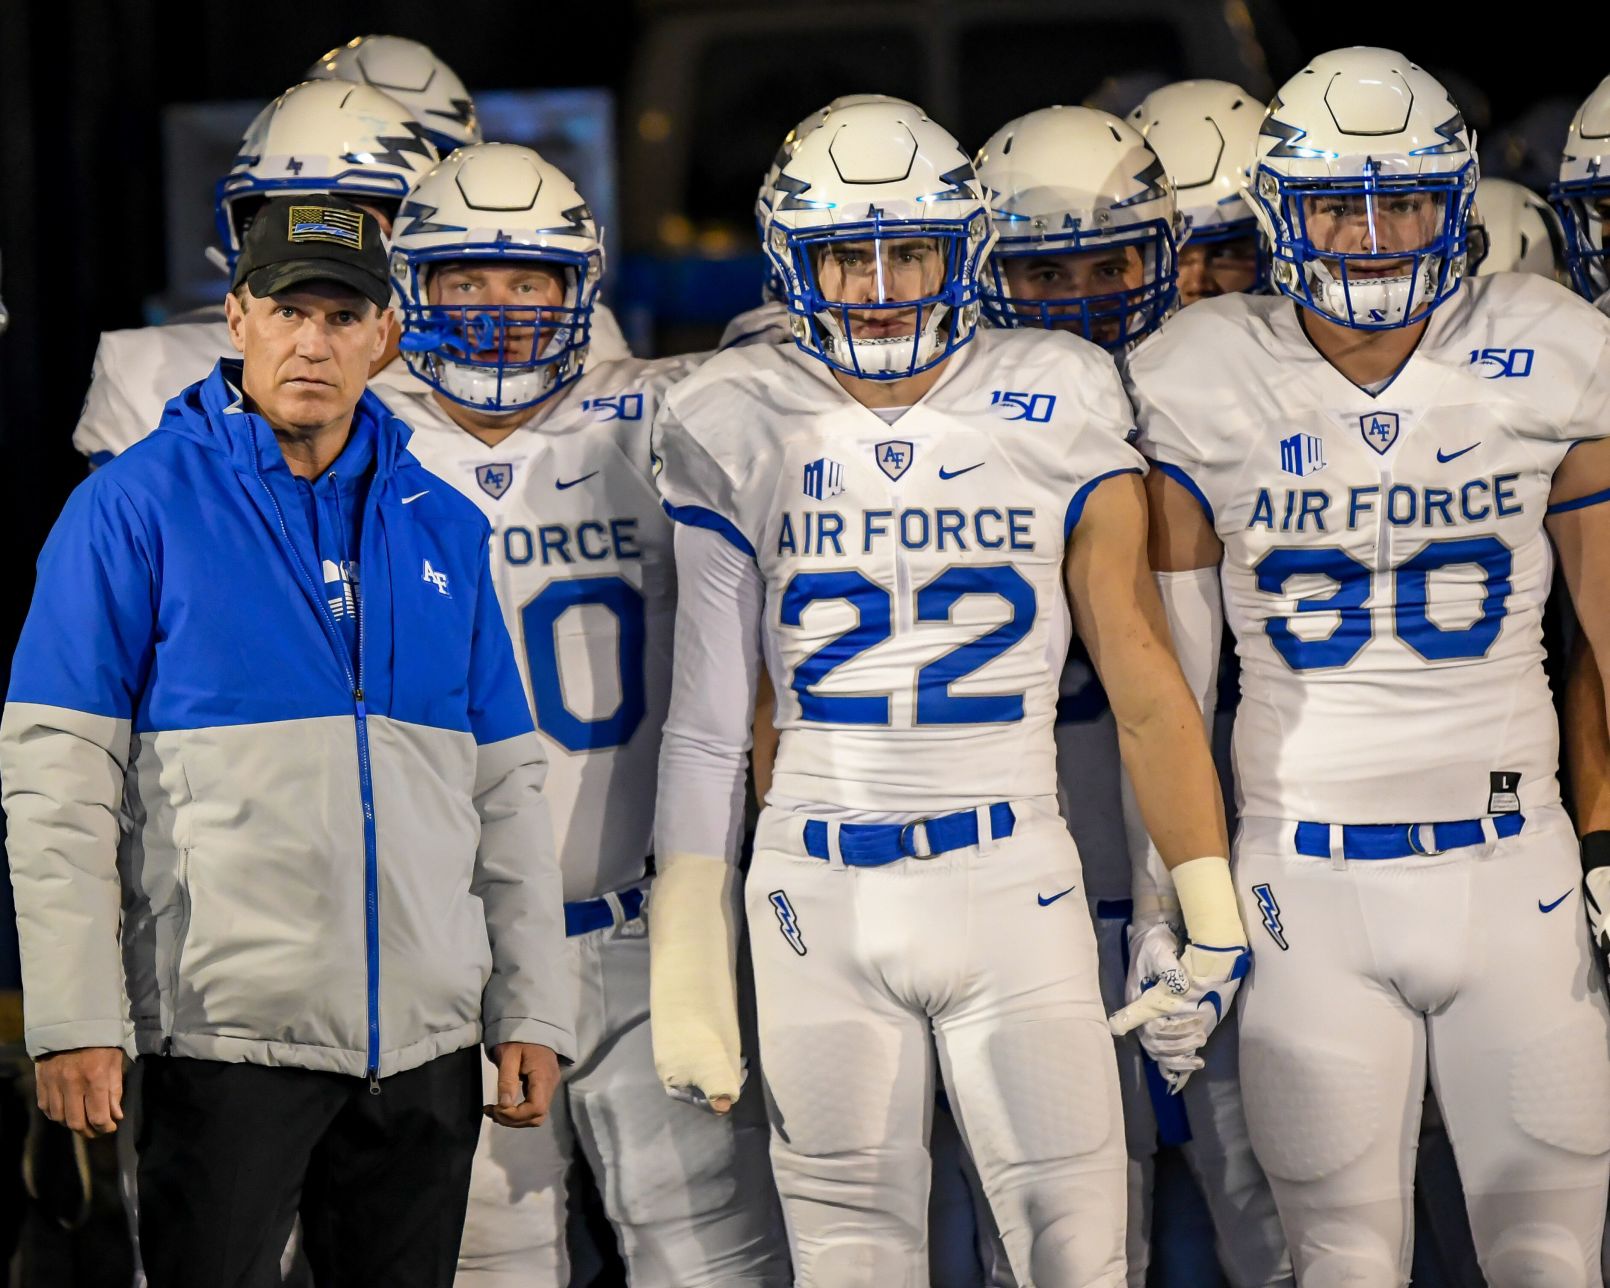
(936, 601)
(1412, 624)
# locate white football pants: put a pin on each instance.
(690, 1195)
(1476, 962)
(989, 951)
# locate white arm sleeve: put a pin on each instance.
(1194, 606)
(704, 750)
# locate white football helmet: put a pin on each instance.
(1067, 181)
(1205, 133)
(503, 203)
(879, 226)
(5, 317)
(1513, 230)
(767, 197)
(321, 137)
(1581, 194)
(1364, 148)
(413, 75)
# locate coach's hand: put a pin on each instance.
(528, 1075)
(1177, 998)
(82, 1089)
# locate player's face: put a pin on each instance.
(527, 289)
(1601, 210)
(1218, 268)
(307, 351)
(879, 272)
(1407, 221)
(1078, 276)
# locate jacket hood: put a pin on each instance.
(212, 413)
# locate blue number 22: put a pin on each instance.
(936, 601)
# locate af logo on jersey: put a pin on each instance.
(1380, 429)
(495, 479)
(893, 456)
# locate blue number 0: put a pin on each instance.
(936, 705)
(540, 619)
(1411, 622)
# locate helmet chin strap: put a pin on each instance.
(1377, 300)
(884, 356)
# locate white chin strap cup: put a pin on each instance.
(882, 356)
(1381, 300)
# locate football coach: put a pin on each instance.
(266, 640)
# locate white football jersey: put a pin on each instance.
(581, 556)
(1385, 562)
(767, 323)
(915, 616)
(138, 370)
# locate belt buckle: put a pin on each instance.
(908, 840)
(1414, 840)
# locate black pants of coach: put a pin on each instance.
(229, 1152)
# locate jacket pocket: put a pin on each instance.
(181, 931)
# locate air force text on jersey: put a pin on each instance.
(1474, 501)
(806, 534)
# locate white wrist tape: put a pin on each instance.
(1207, 899)
(693, 997)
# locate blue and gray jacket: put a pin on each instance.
(322, 849)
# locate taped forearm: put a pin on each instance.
(693, 955)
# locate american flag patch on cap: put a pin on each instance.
(326, 224)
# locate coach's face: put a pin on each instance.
(307, 351)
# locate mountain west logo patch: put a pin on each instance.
(893, 456)
(494, 479)
(326, 224)
(1380, 429)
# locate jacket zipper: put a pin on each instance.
(371, 893)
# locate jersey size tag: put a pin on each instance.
(1503, 796)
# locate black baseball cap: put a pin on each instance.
(313, 239)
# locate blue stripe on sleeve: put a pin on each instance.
(1581, 503)
(1189, 484)
(1076, 507)
(696, 516)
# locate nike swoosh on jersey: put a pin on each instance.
(1550, 907)
(1443, 460)
(1046, 903)
(561, 484)
(951, 474)
(415, 496)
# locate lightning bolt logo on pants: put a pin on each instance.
(787, 921)
(1271, 914)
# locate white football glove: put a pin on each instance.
(1183, 995)
(1177, 998)
(1596, 892)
